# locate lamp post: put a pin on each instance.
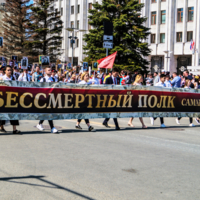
(167, 51)
(73, 39)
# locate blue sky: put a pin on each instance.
(31, 1)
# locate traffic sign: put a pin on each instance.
(108, 28)
(107, 37)
(108, 45)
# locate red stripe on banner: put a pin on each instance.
(61, 100)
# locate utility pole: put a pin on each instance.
(73, 39)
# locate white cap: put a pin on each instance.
(163, 70)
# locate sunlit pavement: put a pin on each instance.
(132, 163)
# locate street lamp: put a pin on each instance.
(167, 51)
(73, 39)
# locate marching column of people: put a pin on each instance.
(163, 79)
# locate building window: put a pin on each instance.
(189, 36)
(72, 10)
(77, 24)
(179, 37)
(72, 24)
(153, 18)
(162, 38)
(180, 15)
(163, 16)
(77, 43)
(190, 14)
(153, 38)
(61, 11)
(78, 9)
(154, 1)
(90, 6)
(89, 26)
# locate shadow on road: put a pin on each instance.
(69, 131)
(41, 178)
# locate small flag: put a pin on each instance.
(192, 45)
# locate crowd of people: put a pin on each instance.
(163, 79)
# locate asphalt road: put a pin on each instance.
(132, 163)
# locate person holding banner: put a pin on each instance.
(138, 81)
(161, 83)
(47, 78)
(187, 86)
(113, 80)
(8, 77)
(84, 81)
(24, 76)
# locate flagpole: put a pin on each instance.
(106, 56)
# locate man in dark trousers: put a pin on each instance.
(47, 79)
(113, 80)
(9, 77)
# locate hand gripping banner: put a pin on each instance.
(33, 101)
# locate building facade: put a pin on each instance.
(174, 24)
(74, 14)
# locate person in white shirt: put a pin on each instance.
(187, 86)
(47, 79)
(168, 82)
(8, 77)
(53, 75)
(161, 83)
(16, 73)
(1, 71)
(25, 76)
(84, 78)
(156, 78)
(94, 79)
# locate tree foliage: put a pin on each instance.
(14, 28)
(130, 34)
(45, 30)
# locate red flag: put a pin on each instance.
(107, 62)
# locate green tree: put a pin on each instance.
(13, 28)
(45, 30)
(129, 33)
